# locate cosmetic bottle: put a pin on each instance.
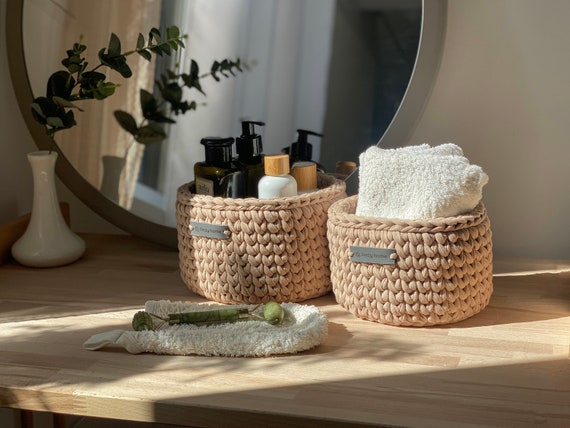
(277, 182)
(305, 174)
(218, 175)
(301, 150)
(249, 149)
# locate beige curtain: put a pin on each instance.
(98, 133)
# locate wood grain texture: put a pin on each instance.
(11, 231)
(507, 366)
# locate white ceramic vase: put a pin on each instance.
(112, 169)
(47, 241)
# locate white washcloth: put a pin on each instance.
(418, 182)
(303, 327)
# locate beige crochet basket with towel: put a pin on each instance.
(442, 269)
(255, 250)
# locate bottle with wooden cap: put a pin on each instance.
(305, 174)
(277, 182)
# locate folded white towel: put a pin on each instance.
(303, 327)
(418, 182)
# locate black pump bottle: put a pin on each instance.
(249, 149)
(301, 150)
(218, 175)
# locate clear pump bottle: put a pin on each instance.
(218, 175)
(277, 182)
(249, 149)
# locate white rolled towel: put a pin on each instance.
(418, 182)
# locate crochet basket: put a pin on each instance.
(442, 269)
(269, 249)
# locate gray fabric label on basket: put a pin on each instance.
(207, 230)
(380, 256)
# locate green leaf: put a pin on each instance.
(149, 105)
(183, 107)
(60, 84)
(156, 50)
(53, 116)
(93, 86)
(145, 54)
(65, 103)
(104, 90)
(117, 63)
(151, 133)
(172, 93)
(154, 34)
(38, 113)
(192, 80)
(172, 32)
(214, 70)
(140, 41)
(127, 122)
(159, 117)
(173, 44)
(165, 47)
(114, 48)
(55, 122)
(79, 48)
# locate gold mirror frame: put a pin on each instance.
(434, 14)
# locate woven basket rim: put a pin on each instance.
(332, 186)
(342, 214)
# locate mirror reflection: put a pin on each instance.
(339, 68)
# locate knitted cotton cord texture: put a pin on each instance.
(276, 249)
(442, 274)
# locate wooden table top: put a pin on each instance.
(507, 366)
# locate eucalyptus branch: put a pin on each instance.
(77, 83)
(159, 110)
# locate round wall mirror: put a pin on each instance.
(357, 72)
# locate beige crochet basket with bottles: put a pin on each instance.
(442, 269)
(255, 250)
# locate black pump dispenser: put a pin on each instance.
(302, 150)
(250, 155)
(249, 146)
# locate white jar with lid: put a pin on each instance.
(277, 182)
(305, 174)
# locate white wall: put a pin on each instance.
(501, 94)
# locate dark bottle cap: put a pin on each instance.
(302, 149)
(218, 150)
(249, 145)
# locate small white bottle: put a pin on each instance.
(276, 183)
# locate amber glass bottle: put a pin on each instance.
(218, 175)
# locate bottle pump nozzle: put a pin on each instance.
(248, 127)
(302, 149)
(249, 143)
